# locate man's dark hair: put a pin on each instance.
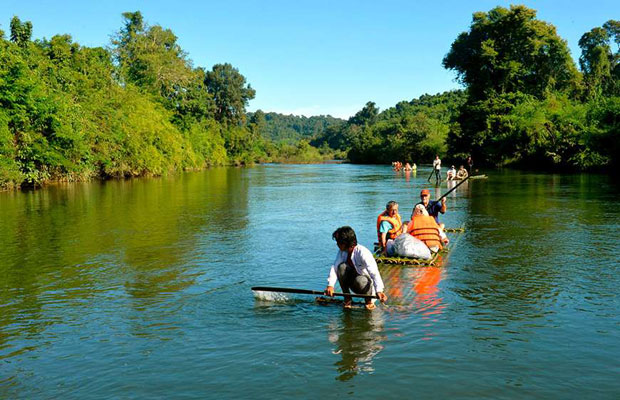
(390, 205)
(345, 235)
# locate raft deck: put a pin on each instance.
(435, 260)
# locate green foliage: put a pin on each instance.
(599, 63)
(290, 128)
(69, 112)
(410, 131)
(523, 105)
(230, 93)
(509, 50)
(20, 32)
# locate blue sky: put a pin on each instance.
(309, 57)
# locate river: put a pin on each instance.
(141, 288)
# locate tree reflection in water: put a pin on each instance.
(357, 336)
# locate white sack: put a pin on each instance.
(406, 245)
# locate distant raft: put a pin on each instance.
(471, 177)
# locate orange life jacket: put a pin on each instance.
(426, 229)
(396, 222)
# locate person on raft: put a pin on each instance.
(432, 207)
(462, 173)
(355, 269)
(389, 225)
(437, 168)
(451, 173)
(425, 228)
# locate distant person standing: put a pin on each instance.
(437, 168)
(470, 164)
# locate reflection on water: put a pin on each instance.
(358, 337)
(415, 289)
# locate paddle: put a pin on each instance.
(305, 291)
(429, 178)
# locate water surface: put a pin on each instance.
(141, 288)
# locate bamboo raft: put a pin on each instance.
(435, 260)
(472, 177)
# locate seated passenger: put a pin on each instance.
(425, 228)
(389, 225)
(451, 173)
(462, 173)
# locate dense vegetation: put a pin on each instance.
(410, 131)
(291, 128)
(70, 112)
(525, 102)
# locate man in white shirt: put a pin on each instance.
(355, 269)
(437, 168)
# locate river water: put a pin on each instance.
(141, 289)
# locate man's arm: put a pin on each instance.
(383, 243)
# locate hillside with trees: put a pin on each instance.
(292, 128)
(410, 131)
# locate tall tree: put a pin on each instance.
(507, 57)
(230, 93)
(365, 116)
(150, 58)
(599, 62)
(21, 32)
(509, 50)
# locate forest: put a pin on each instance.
(139, 107)
(525, 103)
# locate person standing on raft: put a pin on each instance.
(432, 207)
(389, 225)
(355, 269)
(437, 168)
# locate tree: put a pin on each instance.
(150, 58)
(20, 32)
(509, 50)
(230, 93)
(507, 56)
(599, 63)
(367, 115)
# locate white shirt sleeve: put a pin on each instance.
(371, 267)
(333, 278)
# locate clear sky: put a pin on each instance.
(309, 57)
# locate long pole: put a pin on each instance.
(305, 291)
(432, 170)
(455, 186)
